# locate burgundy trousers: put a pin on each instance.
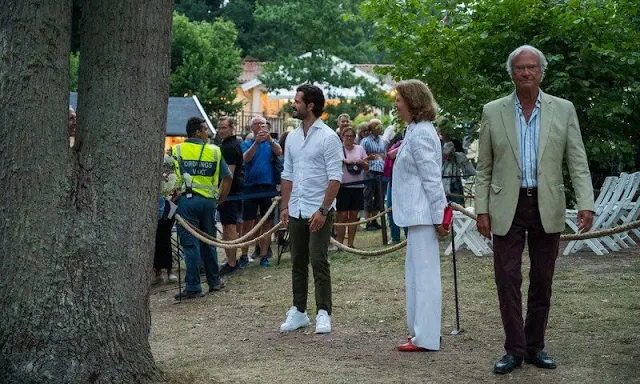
(522, 340)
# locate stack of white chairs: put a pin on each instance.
(632, 214)
(615, 205)
(628, 212)
(467, 236)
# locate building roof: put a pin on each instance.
(179, 111)
(251, 69)
(370, 69)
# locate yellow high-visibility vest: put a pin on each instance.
(202, 162)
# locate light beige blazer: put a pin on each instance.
(498, 179)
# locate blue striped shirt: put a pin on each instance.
(374, 145)
(528, 133)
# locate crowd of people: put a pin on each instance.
(255, 162)
(324, 177)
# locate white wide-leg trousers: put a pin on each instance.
(423, 286)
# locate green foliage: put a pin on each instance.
(592, 49)
(273, 28)
(335, 110)
(250, 36)
(199, 10)
(321, 68)
(74, 70)
(299, 26)
(205, 62)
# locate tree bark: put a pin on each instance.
(77, 225)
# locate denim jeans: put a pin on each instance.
(199, 211)
(395, 230)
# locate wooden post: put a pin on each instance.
(383, 218)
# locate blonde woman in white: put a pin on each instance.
(418, 203)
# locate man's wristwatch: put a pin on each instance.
(323, 211)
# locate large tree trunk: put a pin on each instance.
(77, 225)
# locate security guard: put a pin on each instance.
(199, 167)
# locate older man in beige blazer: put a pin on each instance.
(524, 139)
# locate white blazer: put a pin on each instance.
(418, 196)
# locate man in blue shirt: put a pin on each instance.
(376, 149)
(259, 178)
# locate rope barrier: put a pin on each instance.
(376, 252)
(240, 242)
(253, 230)
(206, 238)
(574, 236)
(372, 218)
(602, 233)
(462, 210)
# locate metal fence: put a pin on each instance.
(243, 119)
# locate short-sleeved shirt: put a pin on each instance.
(260, 169)
(232, 154)
(374, 145)
(357, 153)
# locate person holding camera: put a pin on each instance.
(350, 199)
(259, 178)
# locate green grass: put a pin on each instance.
(232, 336)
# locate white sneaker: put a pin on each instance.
(323, 322)
(295, 320)
(332, 248)
(172, 278)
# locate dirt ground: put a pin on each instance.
(232, 336)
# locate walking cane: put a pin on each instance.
(456, 331)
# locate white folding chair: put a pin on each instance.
(629, 212)
(615, 241)
(468, 236)
(608, 213)
(571, 217)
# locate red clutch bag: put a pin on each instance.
(447, 218)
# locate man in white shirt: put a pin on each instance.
(310, 183)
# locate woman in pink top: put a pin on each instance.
(350, 198)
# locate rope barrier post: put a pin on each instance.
(456, 331)
(179, 268)
(279, 236)
(383, 218)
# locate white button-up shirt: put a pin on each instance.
(310, 163)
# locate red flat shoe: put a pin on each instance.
(410, 347)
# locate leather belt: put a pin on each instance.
(529, 192)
